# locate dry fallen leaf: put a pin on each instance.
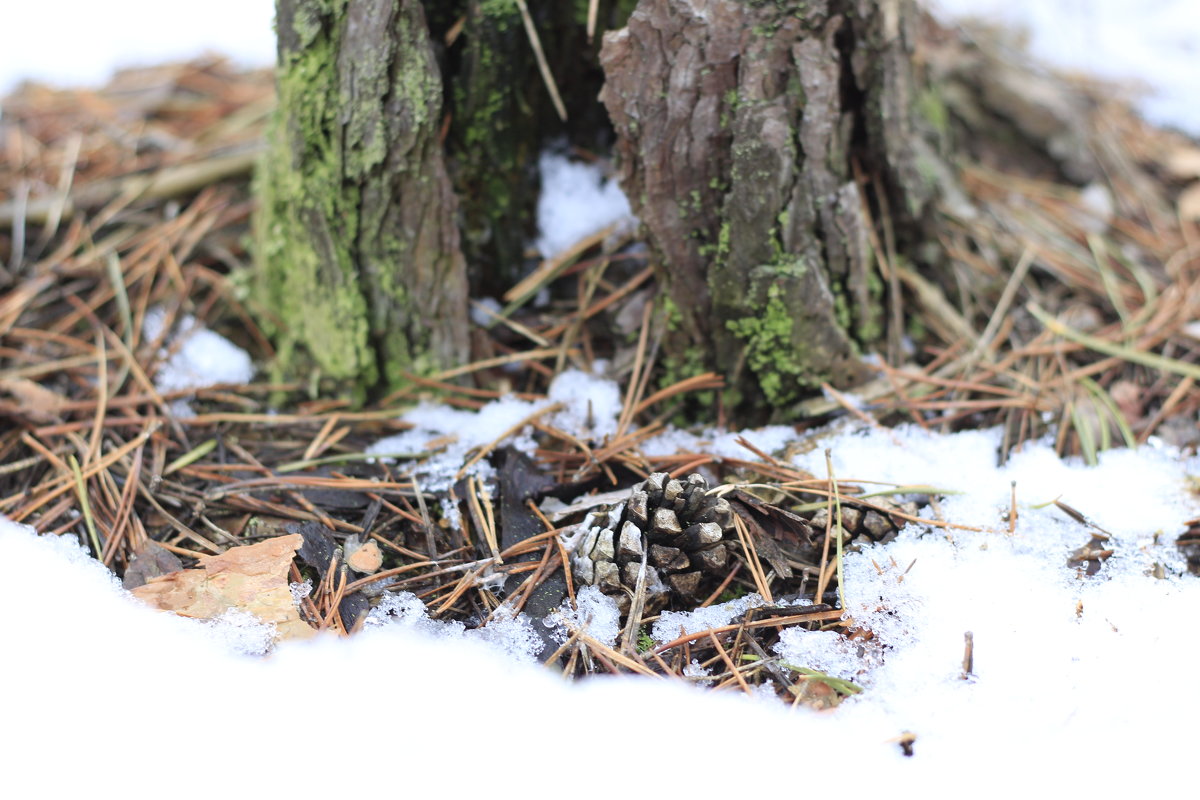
(152, 561)
(253, 578)
(365, 559)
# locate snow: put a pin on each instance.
(592, 404)
(1151, 43)
(195, 356)
(824, 651)
(576, 201)
(595, 613)
(450, 435)
(670, 625)
(80, 42)
(1078, 682)
(455, 433)
(721, 443)
(965, 463)
(506, 633)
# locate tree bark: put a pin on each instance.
(740, 128)
(357, 234)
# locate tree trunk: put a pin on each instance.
(357, 235)
(740, 129)
(361, 259)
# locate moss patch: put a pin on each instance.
(782, 341)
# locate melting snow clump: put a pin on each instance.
(576, 201)
(595, 612)
(670, 625)
(195, 357)
(240, 632)
(827, 651)
(694, 669)
(453, 433)
(507, 633)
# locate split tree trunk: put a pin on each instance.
(740, 126)
(358, 241)
(756, 141)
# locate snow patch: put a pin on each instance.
(576, 201)
(453, 433)
(195, 357)
(1149, 44)
(595, 612)
(1065, 664)
(724, 444)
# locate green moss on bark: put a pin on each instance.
(319, 313)
(356, 240)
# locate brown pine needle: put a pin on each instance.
(756, 570)
(729, 663)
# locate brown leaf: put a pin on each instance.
(366, 559)
(152, 561)
(319, 545)
(779, 533)
(253, 578)
(764, 540)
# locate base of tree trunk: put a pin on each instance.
(744, 132)
(358, 244)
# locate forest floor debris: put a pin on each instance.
(123, 223)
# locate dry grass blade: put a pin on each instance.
(543, 66)
(1134, 355)
(747, 541)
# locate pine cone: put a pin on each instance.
(868, 524)
(680, 532)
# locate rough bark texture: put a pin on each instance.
(739, 125)
(357, 236)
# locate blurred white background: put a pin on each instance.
(81, 42)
